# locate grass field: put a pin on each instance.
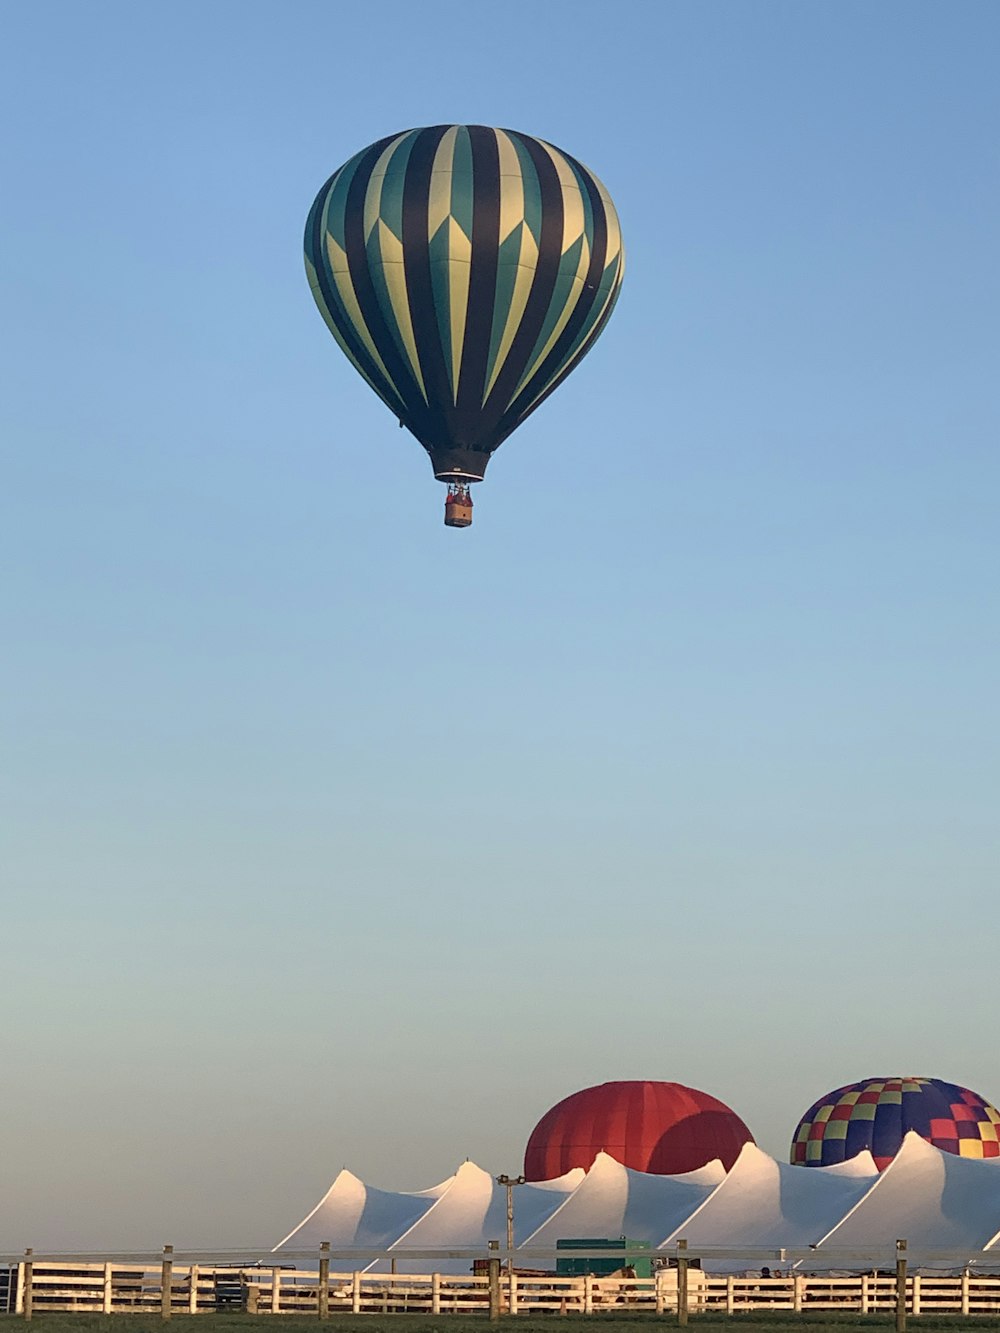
(554, 1323)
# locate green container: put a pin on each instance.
(568, 1266)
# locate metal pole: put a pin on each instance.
(166, 1282)
(682, 1283)
(900, 1286)
(323, 1302)
(509, 1182)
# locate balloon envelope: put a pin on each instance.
(661, 1128)
(877, 1112)
(464, 271)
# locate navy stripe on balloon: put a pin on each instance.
(470, 425)
(432, 430)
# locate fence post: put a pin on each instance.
(915, 1294)
(965, 1291)
(730, 1294)
(194, 1277)
(323, 1291)
(356, 1293)
(494, 1279)
(900, 1286)
(276, 1291)
(435, 1293)
(682, 1283)
(166, 1281)
(797, 1293)
(513, 1292)
(106, 1294)
(588, 1293)
(28, 1271)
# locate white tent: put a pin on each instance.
(848, 1215)
(934, 1200)
(595, 1208)
(464, 1212)
(658, 1205)
(535, 1202)
(765, 1203)
(614, 1201)
(354, 1215)
(455, 1219)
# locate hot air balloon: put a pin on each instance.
(464, 271)
(877, 1112)
(659, 1128)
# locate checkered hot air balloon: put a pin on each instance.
(878, 1112)
(464, 271)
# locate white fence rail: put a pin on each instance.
(42, 1286)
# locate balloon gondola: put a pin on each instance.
(464, 271)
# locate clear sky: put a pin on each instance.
(331, 836)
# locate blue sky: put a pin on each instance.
(332, 836)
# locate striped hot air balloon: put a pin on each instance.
(464, 271)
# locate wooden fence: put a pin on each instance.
(124, 1288)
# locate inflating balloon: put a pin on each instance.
(877, 1113)
(464, 271)
(658, 1128)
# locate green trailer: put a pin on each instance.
(569, 1265)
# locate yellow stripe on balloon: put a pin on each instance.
(439, 200)
(394, 271)
(345, 290)
(459, 274)
(511, 186)
(573, 214)
(373, 193)
(614, 228)
(395, 403)
(565, 369)
(527, 263)
(572, 297)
